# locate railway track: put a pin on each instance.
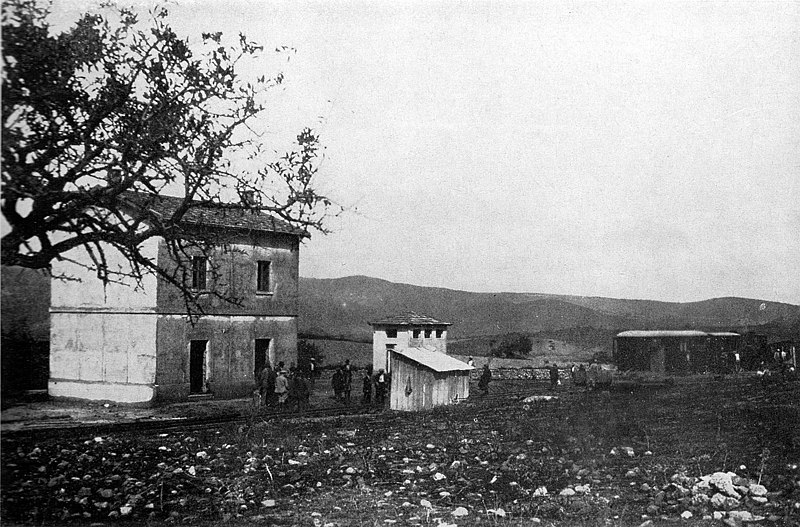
(750, 395)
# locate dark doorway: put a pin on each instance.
(197, 366)
(262, 355)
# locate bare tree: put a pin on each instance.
(113, 108)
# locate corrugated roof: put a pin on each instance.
(433, 359)
(222, 215)
(724, 334)
(409, 318)
(661, 333)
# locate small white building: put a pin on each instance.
(412, 348)
(407, 330)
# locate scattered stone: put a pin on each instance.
(439, 476)
(718, 515)
(426, 503)
(686, 515)
(497, 512)
(567, 492)
(761, 500)
(645, 487)
(648, 523)
(125, 510)
(724, 483)
(659, 497)
(540, 491)
(758, 490)
(268, 504)
(652, 510)
(460, 512)
(582, 489)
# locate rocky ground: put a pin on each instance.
(700, 452)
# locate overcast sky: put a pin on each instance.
(634, 150)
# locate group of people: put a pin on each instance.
(342, 382)
(284, 389)
(290, 389)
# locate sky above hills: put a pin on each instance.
(633, 150)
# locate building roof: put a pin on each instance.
(409, 318)
(222, 215)
(435, 360)
(661, 333)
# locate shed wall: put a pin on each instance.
(428, 388)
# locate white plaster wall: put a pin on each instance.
(89, 293)
(103, 356)
(379, 342)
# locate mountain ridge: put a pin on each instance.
(351, 302)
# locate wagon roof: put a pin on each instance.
(724, 334)
(409, 318)
(433, 359)
(661, 333)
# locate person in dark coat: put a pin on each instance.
(268, 377)
(580, 376)
(302, 392)
(337, 381)
(366, 380)
(485, 379)
(553, 375)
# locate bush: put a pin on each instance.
(512, 345)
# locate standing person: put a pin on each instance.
(312, 371)
(337, 382)
(268, 394)
(471, 362)
(580, 376)
(282, 388)
(366, 379)
(263, 386)
(381, 382)
(348, 381)
(573, 372)
(553, 376)
(302, 392)
(485, 379)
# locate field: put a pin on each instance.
(584, 458)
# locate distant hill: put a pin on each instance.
(343, 307)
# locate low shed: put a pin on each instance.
(664, 351)
(423, 378)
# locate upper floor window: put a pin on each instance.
(199, 266)
(391, 333)
(264, 285)
(427, 333)
(416, 333)
(439, 333)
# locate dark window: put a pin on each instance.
(391, 333)
(427, 333)
(199, 264)
(416, 333)
(263, 285)
(439, 333)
